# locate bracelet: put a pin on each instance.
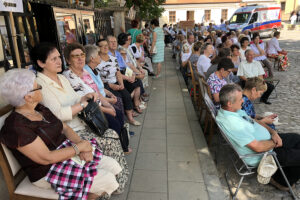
(77, 152)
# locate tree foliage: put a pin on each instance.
(148, 9)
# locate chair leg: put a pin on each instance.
(284, 176)
(211, 131)
(206, 121)
(238, 187)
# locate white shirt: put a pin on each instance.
(218, 41)
(256, 51)
(242, 52)
(60, 99)
(185, 56)
(273, 46)
(250, 70)
(203, 64)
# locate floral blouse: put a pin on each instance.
(81, 86)
(108, 70)
(248, 107)
(215, 85)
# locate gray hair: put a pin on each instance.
(110, 36)
(247, 51)
(90, 51)
(15, 84)
(227, 94)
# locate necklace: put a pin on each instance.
(34, 115)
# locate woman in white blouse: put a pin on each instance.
(274, 51)
(244, 46)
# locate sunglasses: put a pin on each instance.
(39, 87)
(248, 119)
(82, 55)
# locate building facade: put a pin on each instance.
(204, 10)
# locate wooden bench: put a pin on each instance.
(18, 185)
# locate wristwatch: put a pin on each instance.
(82, 105)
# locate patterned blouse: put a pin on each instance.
(108, 70)
(215, 85)
(81, 86)
(248, 107)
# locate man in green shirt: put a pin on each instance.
(247, 136)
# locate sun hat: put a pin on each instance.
(266, 168)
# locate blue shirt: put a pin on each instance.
(248, 107)
(120, 60)
(242, 130)
(96, 79)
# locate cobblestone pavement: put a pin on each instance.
(287, 106)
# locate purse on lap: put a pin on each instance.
(94, 118)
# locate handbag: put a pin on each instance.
(94, 118)
(154, 49)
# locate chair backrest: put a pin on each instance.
(192, 72)
(10, 167)
(211, 106)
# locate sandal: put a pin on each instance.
(142, 106)
(138, 109)
(128, 152)
(135, 123)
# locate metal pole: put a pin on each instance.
(14, 39)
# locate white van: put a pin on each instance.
(257, 18)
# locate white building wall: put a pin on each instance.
(180, 15)
(198, 15)
(216, 11)
(215, 15)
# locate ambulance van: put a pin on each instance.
(264, 19)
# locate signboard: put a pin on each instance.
(187, 24)
(11, 5)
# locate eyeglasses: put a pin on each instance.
(82, 55)
(248, 119)
(39, 87)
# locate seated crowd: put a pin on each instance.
(45, 130)
(236, 69)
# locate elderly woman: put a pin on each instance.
(31, 129)
(137, 50)
(65, 103)
(254, 88)
(274, 51)
(157, 38)
(124, 41)
(258, 47)
(113, 81)
(217, 79)
(195, 53)
(83, 83)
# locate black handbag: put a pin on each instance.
(94, 118)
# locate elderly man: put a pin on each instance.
(249, 137)
(251, 68)
(204, 61)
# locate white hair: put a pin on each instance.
(15, 84)
(90, 51)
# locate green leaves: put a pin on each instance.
(147, 9)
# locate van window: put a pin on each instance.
(253, 18)
(239, 18)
